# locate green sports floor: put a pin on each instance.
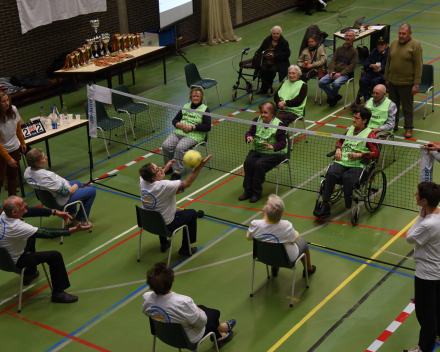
(350, 302)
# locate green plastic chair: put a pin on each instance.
(7, 264)
(123, 103)
(287, 162)
(46, 199)
(174, 335)
(152, 221)
(105, 123)
(427, 85)
(275, 254)
(193, 80)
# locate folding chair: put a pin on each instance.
(427, 85)
(287, 162)
(350, 80)
(193, 79)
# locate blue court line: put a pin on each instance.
(360, 261)
(409, 2)
(417, 13)
(124, 299)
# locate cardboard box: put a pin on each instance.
(149, 39)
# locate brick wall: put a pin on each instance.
(35, 50)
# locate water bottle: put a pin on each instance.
(53, 117)
(57, 115)
(43, 117)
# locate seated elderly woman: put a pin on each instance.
(62, 190)
(348, 166)
(167, 306)
(291, 97)
(191, 129)
(276, 59)
(312, 59)
(280, 231)
(268, 150)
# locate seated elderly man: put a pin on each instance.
(273, 229)
(268, 150)
(349, 156)
(383, 111)
(341, 67)
(374, 68)
(160, 195)
(19, 240)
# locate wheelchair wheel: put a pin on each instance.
(337, 194)
(251, 95)
(234, 95)
(375, 190)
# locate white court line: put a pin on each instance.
(399, 255)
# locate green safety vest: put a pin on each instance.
(192, 118)
(268, 134)
(290, 90)
(379, 114)
(354, 146)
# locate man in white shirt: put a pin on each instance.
(425, 235)
(160, 195)
(273, 229)
(18, 238)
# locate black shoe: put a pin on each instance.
(64, 298)
(254, 199)
(321, 9)
(308, 13)
(243, 197)
(310, 272)
(328, 100)
(164, 247)
(169, 172)
(322, 213)
(274, 270)
(29, 278)
(175, 177)
(185, 252)
(335, 100)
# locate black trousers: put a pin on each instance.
(427, 301)
(338, 174)
(213, 316)
(268, 73)
(368, 81)
(403, 95)
(30, 259)
(184, 217)
(256, 166)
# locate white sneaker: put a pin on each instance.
(415, 349)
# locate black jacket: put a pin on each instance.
(374, 57)
(282, 54)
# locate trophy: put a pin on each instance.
(119, 37)
(101, 46)
(96, 42)
(124, 40)
(77, 59)
(105, 39)
(72, 61)
(130, 42)
(83, 55)
(89, 49)
(138, 36)
(95, 25)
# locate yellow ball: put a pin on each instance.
(192, 158)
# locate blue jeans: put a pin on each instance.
(332, 92)
(86, 195)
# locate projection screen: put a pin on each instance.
(172, 11)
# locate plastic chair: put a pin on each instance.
(303, 119)
(7, 264)
(350, 80)
(287, 162)
(46, 198)
(204, 143)
(152, 221)
(275, 254)
(328, 43)
(427, 85)
(123, 103)
(193, 79)
(105, 123)
(174, 335)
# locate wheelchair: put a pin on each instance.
(370, 190)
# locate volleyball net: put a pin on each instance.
(148, 123)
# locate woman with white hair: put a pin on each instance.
(273, 229)
(291, 97)
(276, 59)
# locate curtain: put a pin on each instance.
(216, 23)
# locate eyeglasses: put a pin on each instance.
(158, 169)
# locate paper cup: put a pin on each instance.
(70, 117)
(78, 117)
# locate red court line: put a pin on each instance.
(71, 271)
(421, 96)
(391, 232)
(429, 63)
(56, 331)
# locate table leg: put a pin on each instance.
(164, 68)
(132, 73)
(122, 75)
(334, 44)
(20, 180)
(94, 78)
(109, 78)
(48, 152)
(59, 90)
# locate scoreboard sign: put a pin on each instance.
(32, 129)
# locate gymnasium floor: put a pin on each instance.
(349, 304)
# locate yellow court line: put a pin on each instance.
(340, 287)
